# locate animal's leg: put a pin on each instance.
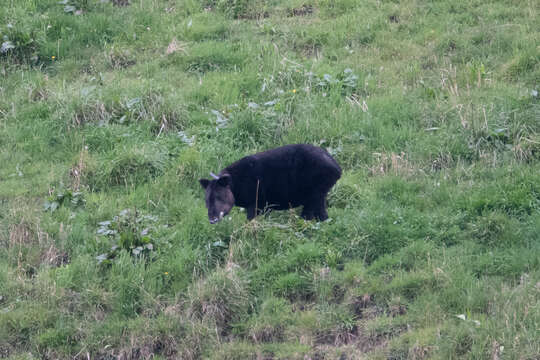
(250, 212)
(307, 213)
(315, 206)
(326, 183)
(321, 213)
(311, 208)
(319, 208)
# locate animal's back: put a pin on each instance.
(297, 156)
(290, 173)
(298, 160)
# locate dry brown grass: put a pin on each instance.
(175, 46)
(78, 170)
(526, 149)
(30, 245)
(219, 299)
(420, 352)
(120, 59)
(24, 236)
(94, 112)
(21, 234)
(38, 94)
(148, 347)
(55, 257)
(393, 164)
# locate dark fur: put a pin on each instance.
(281, 178)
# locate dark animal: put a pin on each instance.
(281, 178)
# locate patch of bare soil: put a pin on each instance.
(303, 10)
(120, 2)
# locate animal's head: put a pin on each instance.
(219, 196)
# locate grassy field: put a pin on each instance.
(110, 111)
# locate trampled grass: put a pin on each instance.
(110, 111)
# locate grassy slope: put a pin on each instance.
(430, 108)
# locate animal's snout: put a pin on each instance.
(216, 219)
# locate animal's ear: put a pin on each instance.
(204, 183)
(224, 180)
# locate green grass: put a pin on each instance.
(110, 114)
